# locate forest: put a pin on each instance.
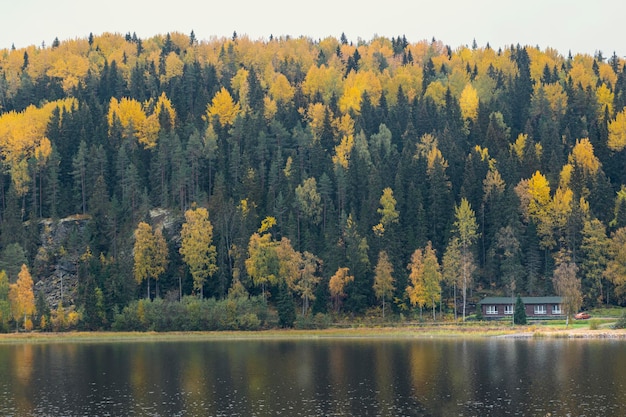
(240, 183)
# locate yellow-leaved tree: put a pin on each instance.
(388, 213)
(383, 279)
(223, 107)
(337, 284)
(437, 93)
(327, 81)
(197, 247)
(416, 289)
(615, 270)
(150, 255)
(134, 121)
(567, 285)
(280, 89)
(466, 229)
(355, 84)
(22, 299)
(317, 114)
(617, 131)
(539, 192)
(583, 156)
(23, 136)
(605, 98)
(342, 152)
(425, 278)
(469, 103)
(164, 112)
(262, 263)
(307, 279)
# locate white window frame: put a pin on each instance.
(556, 309)
(491, 310)
(508, 309)
(540, 309)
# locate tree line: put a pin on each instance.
(319, 176)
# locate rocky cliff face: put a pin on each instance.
(55, 270)
(64, 241)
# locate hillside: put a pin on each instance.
(322, 176)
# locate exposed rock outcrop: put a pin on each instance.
(64, 241)
(55, 270)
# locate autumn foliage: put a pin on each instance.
(341, 175)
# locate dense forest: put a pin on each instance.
(234, 182)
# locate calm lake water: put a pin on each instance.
(321, 377)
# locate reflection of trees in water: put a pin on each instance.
(439, 374)
(353, 376)
(194, 382)
(139, 373)
(383, 355)
(23, 366)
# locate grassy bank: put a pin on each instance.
(578, 329)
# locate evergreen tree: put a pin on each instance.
(285, 306)
(520, 90)
(5, 308)
(359, 291)
(519, 314)
(79, 173)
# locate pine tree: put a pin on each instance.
(519, 315)
(5, 307)
(285, 306)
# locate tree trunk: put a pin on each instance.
(434, 318)
(456, 314)
(383, 308)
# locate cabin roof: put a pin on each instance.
(525, 300)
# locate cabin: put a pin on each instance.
(536, 307)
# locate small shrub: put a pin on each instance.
(317, 321)
(192, 314)
(322, 321)
(621, 323)
(249, 321)
(594, 324)
(126, 320)
(304, 323)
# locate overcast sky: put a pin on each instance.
(566, 25)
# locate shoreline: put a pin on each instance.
(402, 332)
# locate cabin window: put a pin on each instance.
(540, 309)
(556, 309)
(492, 310)
(508, 309)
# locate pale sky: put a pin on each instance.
(579, 26)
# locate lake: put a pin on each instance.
(316, 377)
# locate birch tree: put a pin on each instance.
(425, 279)
(337, 284)
(567, 285)
(22, 299)
(197, 247)
(383, 278)
(466, 229)
(149, 255)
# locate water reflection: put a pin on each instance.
(330, 377)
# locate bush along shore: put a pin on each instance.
(251, 318)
